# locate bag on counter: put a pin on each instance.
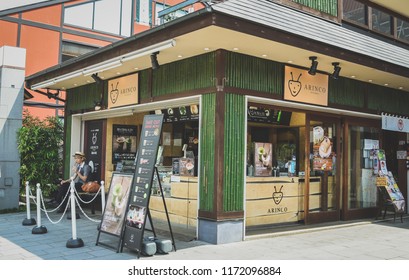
(91, 187)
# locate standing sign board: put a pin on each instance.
(138, 207)
(118, 196)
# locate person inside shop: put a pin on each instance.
(80, 174)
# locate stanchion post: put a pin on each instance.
(102, 196)
(74, 242)
(39, 229)
(28, 221)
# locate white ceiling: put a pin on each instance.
(213, 38)
(399, 6)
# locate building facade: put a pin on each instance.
(272, 111)
(55, 31)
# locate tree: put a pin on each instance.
(39, 145)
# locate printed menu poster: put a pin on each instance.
(138, 207)
(117, 200)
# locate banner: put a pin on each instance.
(395, 123)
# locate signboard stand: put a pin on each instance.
(166, 209)
(137, 210)
(112, 221)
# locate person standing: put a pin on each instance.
(80, 175)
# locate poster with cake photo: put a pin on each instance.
(263, 159)
(322, 150)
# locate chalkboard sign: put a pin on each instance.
(138, 207)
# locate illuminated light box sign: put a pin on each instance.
(182, 113)
(266, 115)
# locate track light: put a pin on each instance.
(154, 60)
(96, 78)
(314, 64)
(337, 69)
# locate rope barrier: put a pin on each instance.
(28, 221)
(78, 199)
(74, 200)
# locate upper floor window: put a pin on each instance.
(376, 19)
(110, 16)
(169, 17)
(71, 50)
(402, 29)
(381, 22)
(355, 11)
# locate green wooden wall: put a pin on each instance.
(325, 6)
(247, 72)
(207, 152)
(181, 76)
(234, 152)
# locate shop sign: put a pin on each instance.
(123, 91)
(94, 147)
(395, 123)
(302, 87)
(267, 115)
(182, 113)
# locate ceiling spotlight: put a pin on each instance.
(96, 78)
(314, 64)
(337, 69)
(154, 60)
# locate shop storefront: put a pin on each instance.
(247, 142)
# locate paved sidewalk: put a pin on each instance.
(363, 240)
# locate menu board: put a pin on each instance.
(142, 183)
(182, 113)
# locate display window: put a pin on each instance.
(363, 141)
(275, 165)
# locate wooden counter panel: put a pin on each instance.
(183, 207)
(262, 207)
(276, 219)
(184, 190)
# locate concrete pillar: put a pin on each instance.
(12, 75)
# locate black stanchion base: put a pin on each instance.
(75, 243)
(77, 216)
(29, 222)
(39, 230)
